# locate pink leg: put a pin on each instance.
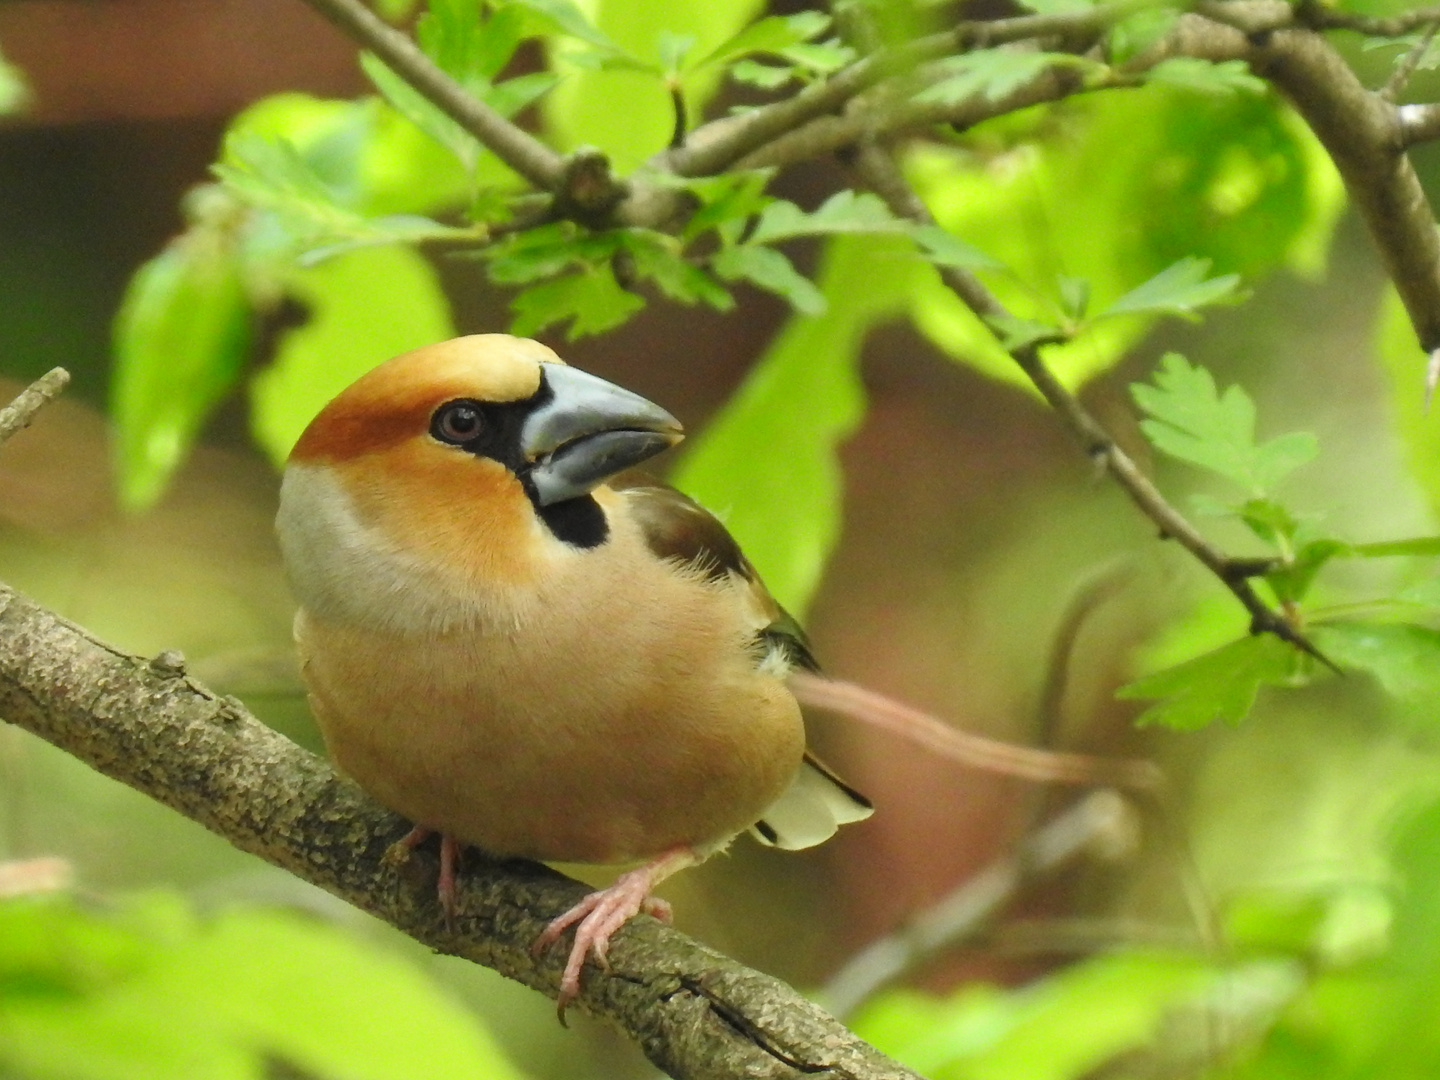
(604, 911)
(449, 863)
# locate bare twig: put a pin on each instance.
(693, 1012)
(878, 170)
(1100, 823)
(19, 413)
(722, 143)
(524, 153)
(1400, 77)
(974, 751)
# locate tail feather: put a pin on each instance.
(816, 803)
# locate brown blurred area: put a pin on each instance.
(971, 517)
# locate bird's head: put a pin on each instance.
(467, 455)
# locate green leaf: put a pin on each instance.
(1220, 685)
(944, 248)
(994, 73)
(765, 76)
(1403, 657)
(730, 199)
(591, 300)
(771, 34)
(626, 107)
(567, 18)
(1423, 546)
(1404, 365)
(546, 250)
(1192, 421)
(1293, 580)
(772, 271)
(658, 258)
(1206, 77)
(844, 212)
(1137, 32)
(144, 989)
(182, 337)
(767, 463)
(1179, 289)
(365, 307)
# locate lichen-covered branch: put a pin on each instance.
(695, 1013)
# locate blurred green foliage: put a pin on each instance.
(1095, 221)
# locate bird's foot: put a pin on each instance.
(600, 914)
(445, 890)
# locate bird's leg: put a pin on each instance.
(449, 864)
(604, 911)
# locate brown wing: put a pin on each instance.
(677, 527)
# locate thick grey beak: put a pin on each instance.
(587, 431)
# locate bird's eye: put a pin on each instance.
(458, 422)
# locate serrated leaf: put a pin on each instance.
(944, 248)
(567, 18)
(1293, 580)
(1206, 77)
(591, 301)
(546, 250)
(768, 35)
(765, 76)
(731, 197)
(1192, 421)
(819, 58)
(994, 73)
(1403, 657)
(182, 337)
(844, 212)
(770, 270)
(1180, 289)
(1268, 519)
(658, 258)
(1221, 685)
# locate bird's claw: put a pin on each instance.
(596, 918)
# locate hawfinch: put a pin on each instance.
(511, 648)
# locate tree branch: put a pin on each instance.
(17, 415)
(877, 169)
(524, 153)
(695, 1013)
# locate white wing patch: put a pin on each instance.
(810, 811)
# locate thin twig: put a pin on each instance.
(524, 153)
(720, 144)
(1400, 77)
(1101, 822)
(17, 415)
(878, 170)
(967, 748)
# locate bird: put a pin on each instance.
(512, 639)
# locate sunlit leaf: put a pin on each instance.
(1191, 420)
(844, 212)
(994, 73)
(591, 301)
(658, 258)
(772, 271)
(1403, 657)
(1206, 77)
(944, 248)
(182, 337)
(365, 307)
(767, 463)
(1219, 686)
(768, 35)
(1180, 289)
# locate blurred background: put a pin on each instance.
(975, 533)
